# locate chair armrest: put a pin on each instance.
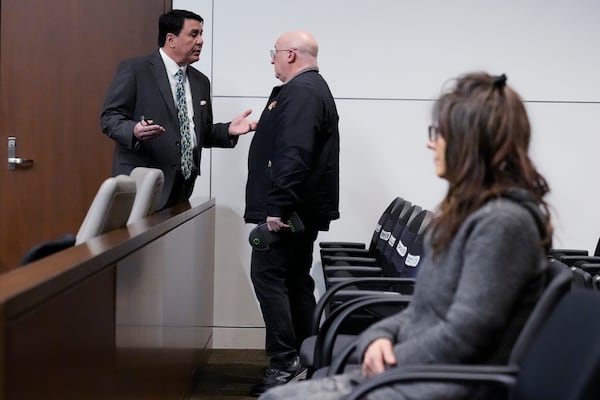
(354, 245)
(344, 252)
(504, 376)
(308, 353)
(334, 280)
(341, 260)
(351, 271)
(591, 268)
(596, 282)
(339, 362)
(330, 329)
(567, 252)
(574, 260)
(389, 284)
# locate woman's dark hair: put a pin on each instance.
(172, 22)
(487, 134)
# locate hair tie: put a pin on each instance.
(500, 81)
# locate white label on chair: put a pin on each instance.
(412, 261)
(392, 241)
(385, 235)
(401, 249)
(378, 228)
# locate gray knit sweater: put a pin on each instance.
(471, 299)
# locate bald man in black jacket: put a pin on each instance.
(293, 166)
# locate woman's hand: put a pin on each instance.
(378, 356)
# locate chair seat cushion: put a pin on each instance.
(307, 350)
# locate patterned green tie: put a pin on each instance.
(184, 127)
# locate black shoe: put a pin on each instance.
(277, 376)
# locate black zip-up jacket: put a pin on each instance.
(293, 162)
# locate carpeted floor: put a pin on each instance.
(229, 374)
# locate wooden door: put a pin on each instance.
(57, 58)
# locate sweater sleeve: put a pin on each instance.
(501, 253)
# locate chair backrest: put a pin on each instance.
(415, 252)
(394, 207)
(597, 248)
(409, 212)
(409, 248)
(558, 283)
(47, 248)
(110, 208)
(563, 362)
(149, 183)
(591, 268)
(581, 279)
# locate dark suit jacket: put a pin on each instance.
(141, 87)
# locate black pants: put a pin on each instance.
(182, 188)
(284, 288)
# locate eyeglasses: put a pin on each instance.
(433, 133)
(274, 51)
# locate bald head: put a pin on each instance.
(302, 53)
(303, 41)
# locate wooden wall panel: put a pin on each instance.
(64, 348)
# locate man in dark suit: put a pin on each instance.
(158, 110)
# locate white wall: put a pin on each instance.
(386, 60)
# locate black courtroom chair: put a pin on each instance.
(47, 248)
(566, 252)
(558, 282)
(346, 321)
(409, 251)
(110, 209)
(581, 279)
(374, 236)
(388, 252)
(402, 258)
(374, 254)
(561, 361)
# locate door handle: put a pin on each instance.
(13, 160)
(21, 162)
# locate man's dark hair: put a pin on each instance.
(172, 22)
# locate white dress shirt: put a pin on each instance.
(172, 68)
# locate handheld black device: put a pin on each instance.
(261, 238)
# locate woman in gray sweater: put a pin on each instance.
(485, 252)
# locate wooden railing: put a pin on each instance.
(124, 315)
